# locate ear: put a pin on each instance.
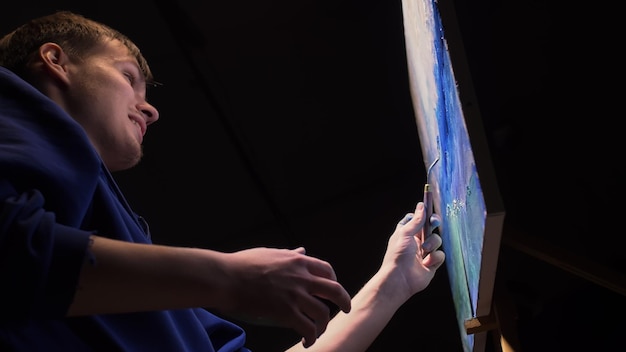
(54, 61)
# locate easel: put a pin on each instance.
(501, 322)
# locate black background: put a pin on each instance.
(289, 123)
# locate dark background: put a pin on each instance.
(288, 123)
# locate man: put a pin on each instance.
(79, 268)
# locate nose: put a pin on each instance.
(150, 113)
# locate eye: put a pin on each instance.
(130, 77)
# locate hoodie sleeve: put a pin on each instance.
(48, 174)
(40, 260)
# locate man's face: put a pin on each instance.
(107, 96)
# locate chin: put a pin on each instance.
(125, 163)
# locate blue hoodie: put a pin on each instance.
(55, 192)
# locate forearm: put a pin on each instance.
(403, 273)
(125, 277)
(372, 308)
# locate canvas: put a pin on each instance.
(462, 181)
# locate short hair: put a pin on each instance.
(75, 33)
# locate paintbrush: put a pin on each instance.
(428, 203)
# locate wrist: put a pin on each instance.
(389, 288)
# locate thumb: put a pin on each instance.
(413, 222)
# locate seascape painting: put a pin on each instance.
(471, 248)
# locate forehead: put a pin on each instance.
(114, 50)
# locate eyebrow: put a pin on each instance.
(149, 82)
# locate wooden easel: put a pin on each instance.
(501, 322)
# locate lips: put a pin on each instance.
(139, 122)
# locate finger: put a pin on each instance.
(432, 243)
(420, 214)
(406, 219)
(305, 327)
(300, 250)
(326, 285)
(312, 321)
(322, 268)
(318, 312)
(333, 292)
(434, 260)
(413, 222)
(435, 221)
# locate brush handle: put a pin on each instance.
(428, 211)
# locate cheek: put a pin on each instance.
(103, 98)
